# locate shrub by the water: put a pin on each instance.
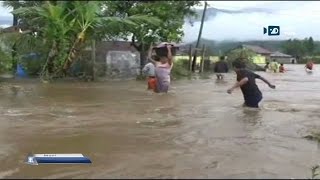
(180, 69)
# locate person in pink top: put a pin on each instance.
(162, 70)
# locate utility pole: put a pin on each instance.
(199, 37)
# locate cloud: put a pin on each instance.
(244, 20)
(296, 20)
(4, 11)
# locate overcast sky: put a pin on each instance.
(4, 11)
(297, 19)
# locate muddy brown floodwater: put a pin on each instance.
(195, 131)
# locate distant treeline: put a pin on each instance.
(292, 47)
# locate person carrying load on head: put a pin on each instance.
(163, 67)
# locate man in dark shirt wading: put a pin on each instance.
(221, 67)
(246, 81)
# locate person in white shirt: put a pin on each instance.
(149, 71)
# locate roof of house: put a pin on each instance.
(279, 54)
(257, 49)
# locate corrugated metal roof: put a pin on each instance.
(279, 54)
(257, 49)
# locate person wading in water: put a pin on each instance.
(221, 67)
(149, 71)
(246, 80)
(163, 69)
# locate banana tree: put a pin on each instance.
(92, 24)
(50, 22)
(65, 27)
(85, 15)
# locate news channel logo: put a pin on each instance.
(31, 160)
(272, 30)
(36, 159)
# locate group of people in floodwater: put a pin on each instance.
(159, 67)
(274, 67)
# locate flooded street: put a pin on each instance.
(195, 131)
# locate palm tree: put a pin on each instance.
(16, 4)
(88, 16)
(66, 26)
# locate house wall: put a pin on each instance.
(115, 60)
(122, 64)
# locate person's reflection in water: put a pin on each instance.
(14, 90)
(252, 116)
(221, 81)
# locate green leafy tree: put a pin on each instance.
(295, 48)
(240, 53)
(66, 26)
(171, 13)
(245, 55)
(310, 46)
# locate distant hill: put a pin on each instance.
(220, 47)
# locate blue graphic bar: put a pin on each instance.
(36, 159)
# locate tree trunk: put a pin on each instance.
(72, 55)
(194, 61)
(15, 17)
(190, 58)
(15, 20)
(50, 59)
(13, 56)
(141, 48)
(143, 59)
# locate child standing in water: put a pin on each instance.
(149, 71)
(281, 68)
(163, 70)
(247, 82)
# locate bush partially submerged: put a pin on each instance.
(180, 69)
(315, 171)
(315, 136)
(246, 56)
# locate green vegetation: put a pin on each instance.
(180, 69)
(246, 55)
(315, 171)
(62, 29)
(66, 28)
(313, 136)
(303, 50)
(171, 14)
(299, 48)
